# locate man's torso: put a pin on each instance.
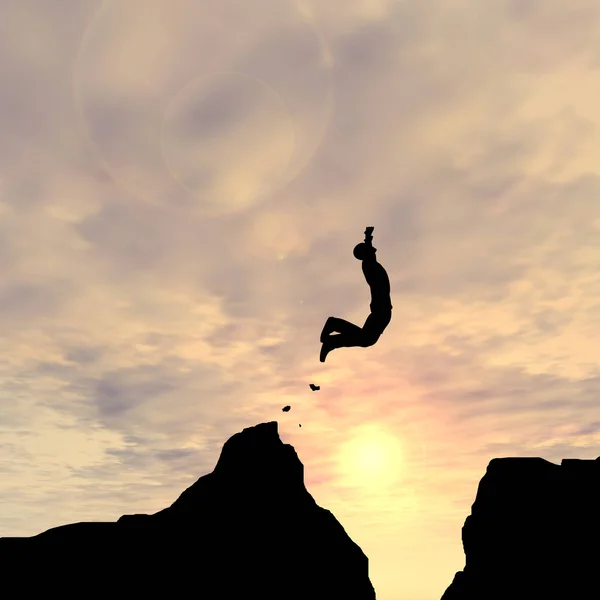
(379, 282)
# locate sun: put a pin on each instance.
(371, 458)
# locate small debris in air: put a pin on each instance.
(314, 387)
(286, 408)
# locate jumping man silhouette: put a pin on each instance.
(348, 334)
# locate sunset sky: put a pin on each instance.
(182, 183)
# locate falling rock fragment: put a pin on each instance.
(314, 387)
(286, 408)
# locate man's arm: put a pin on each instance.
(370, 256)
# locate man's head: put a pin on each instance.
(362, 251)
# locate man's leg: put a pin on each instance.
(349, 335)
(375, 325)
(352, 335)
(333, 324)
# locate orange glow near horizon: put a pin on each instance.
(370, 458)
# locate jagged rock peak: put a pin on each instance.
(257, 444)
(529, 532)
(249, 529)
(255, 466)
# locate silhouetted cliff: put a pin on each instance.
(533, 533)
(249, 529)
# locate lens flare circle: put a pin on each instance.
(130, 87)
(228, 138)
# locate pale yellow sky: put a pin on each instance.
(181, 186)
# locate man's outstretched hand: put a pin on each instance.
(369, 233)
